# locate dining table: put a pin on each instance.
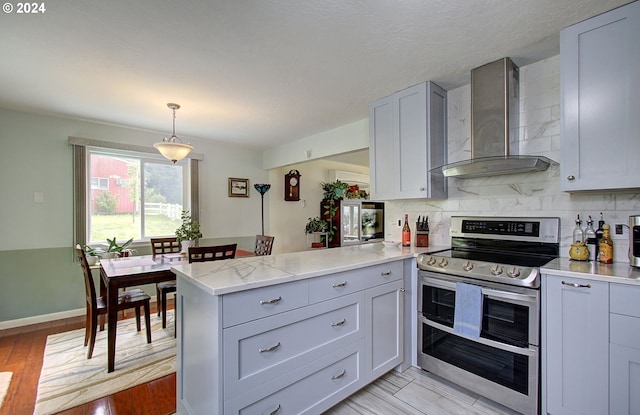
(116, 273)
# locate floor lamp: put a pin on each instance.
(262, 189)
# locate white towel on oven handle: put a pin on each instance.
(467, 318)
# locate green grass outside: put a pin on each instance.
(126, 226)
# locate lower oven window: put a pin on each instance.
(505, 368)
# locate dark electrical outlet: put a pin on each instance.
(618, 229)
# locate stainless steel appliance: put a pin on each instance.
(495, 108)
(634, 240)
(361, 221)
(502, 256)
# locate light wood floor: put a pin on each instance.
(413, 392)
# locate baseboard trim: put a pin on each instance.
(45, 318)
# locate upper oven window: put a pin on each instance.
(438, 304)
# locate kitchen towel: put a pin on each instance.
(467, 317)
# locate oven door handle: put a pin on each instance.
(530, 351)
(525, 299)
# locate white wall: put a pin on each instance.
(288, 219)
(530, 194)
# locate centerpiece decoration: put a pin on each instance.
(188, 232)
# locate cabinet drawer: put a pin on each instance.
(250, 305)
(332, 286)
(309, 390)
(276, 345)
(625, 330)
(625, 299)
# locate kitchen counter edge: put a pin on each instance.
(245, 273)
(617, 272)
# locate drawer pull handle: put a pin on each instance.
(573, 284)
(385, 273)
(340, 284)
(339, 375)
(275, 411)
(339, 323)
(269, 349)
(273, 301)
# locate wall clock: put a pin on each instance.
(292, 186)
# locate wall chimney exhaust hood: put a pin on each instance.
(495, 121)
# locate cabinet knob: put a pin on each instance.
(422, 189)
(571, 177)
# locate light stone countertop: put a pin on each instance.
(244, 273)
(618, 272)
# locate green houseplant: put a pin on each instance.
(333, 193)
(188, 231)
(319, 227)
(119, 249)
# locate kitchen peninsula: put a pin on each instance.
(296, 332)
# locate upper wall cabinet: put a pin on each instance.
(407, 138)
(600, 94)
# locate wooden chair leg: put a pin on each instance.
(147, 321)
(87, 324)
(175, 315)
(159, 301)
(138, 318)
(164, 309)
(92, 334)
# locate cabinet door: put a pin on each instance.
(576, 338)
(600, 98)
(382, 150)
(625, 380)
(384, 319)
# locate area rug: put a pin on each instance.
(69, 379)
(5, 381)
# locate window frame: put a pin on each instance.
(82, 149)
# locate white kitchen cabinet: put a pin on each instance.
(625, 350)
(600, 102)
(408, 138)
(301, 346)
(575, 331)
(385, 327)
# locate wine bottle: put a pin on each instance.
(406, 232)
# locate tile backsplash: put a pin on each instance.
(526, 194)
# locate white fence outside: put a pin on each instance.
(172, 211)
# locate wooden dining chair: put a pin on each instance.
(97, 306)
(264, 244)
(161, 246)
(212, 253)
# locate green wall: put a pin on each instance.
(37, 269)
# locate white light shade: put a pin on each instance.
(172, 150)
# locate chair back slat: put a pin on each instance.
(89, 285)
(212, 253)
(161, 246)
(264, 244)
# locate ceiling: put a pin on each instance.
(260, 72)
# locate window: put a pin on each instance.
(140, 197)
(128, 191)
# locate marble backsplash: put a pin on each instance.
(526, 194)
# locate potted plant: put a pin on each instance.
(334, 192)
(93, 254)
(316, 225)
(118, 250)
(188, 232)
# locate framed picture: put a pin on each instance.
(238, 187)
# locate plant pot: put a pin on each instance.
(109, 255)
(185, 246)
(92, 260)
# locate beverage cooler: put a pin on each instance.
(357, 222)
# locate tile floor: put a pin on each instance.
(416, 392)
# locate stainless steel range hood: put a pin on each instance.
(495, 108)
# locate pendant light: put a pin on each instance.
(173, 148)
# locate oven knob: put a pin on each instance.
(443, 263)
(431, 261)
(468, 266)
(514, 273)
(496, 270)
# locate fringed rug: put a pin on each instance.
(5, 381)
(69, 379)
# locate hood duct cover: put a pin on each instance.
(495, 110)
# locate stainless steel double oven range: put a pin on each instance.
(502, 256)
